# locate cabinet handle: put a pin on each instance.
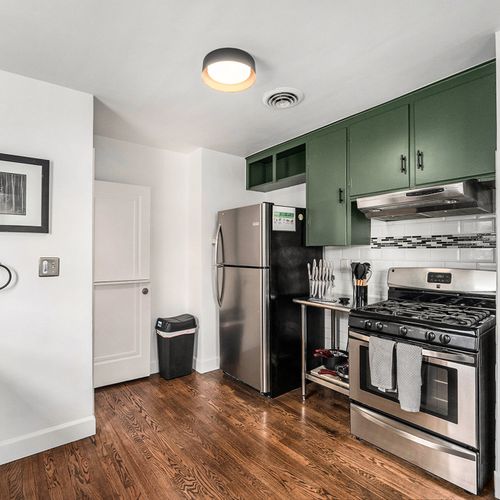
(145, 291)
(341, 195)
(403, 164)
(420, 160)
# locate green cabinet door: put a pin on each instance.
(378, 152)
(455, 132)
(326, 189)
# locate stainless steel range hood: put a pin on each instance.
(461, 198)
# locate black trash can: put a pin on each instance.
(175, 338)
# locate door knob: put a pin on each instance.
(145, 291)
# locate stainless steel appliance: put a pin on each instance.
(260, 267)
(460, 198)
(450, 314)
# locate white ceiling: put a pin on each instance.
(142, 60)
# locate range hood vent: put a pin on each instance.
(461, 198)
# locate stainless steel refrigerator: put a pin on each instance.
(260, 266)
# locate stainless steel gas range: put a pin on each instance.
(450, 313)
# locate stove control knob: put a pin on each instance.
(445, 339)
(368, 324)
(379, 325)
(430, 336)
(403, 330)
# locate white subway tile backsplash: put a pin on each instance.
(445, 254)
(392, 254)
(487, 266)
(477, 226)
(444, 227)
(461, 265)
(352, 253)
(379, 229)
(477, 254)
(367, 254)
(418, 254)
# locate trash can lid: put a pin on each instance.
(176, 323)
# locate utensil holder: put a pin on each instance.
(360, 296)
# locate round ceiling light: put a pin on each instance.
(228, 70)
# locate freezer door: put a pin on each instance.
(243, 326)
(242, 236)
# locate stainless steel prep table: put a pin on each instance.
(335, 384)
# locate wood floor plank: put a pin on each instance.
(207, 436)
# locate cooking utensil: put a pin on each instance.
(336, 359)
(343, 371)
(326, 371)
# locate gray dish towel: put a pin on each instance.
(381, 352)
(409, 366)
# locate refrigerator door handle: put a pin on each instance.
(218, 239)
(217, 266)
(220, 296)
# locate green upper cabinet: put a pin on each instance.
(379, 152)
(331, 217)
(326, 181)
(455, 132)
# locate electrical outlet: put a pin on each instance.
(48, 266)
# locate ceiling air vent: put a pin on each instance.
(282, 98)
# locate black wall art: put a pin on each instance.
(24, 194)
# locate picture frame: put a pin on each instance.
(24, 194)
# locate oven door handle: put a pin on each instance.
(445, 356)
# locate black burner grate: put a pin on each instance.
(435, 313)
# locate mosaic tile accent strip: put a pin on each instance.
(478, 240)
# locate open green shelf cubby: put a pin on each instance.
(281, 168)
(260, 172)
(291, 162)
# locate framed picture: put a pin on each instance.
(24, 194)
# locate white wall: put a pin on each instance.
(166, 173)
(46, 391)
(217, 181)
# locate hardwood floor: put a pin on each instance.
(206, 436)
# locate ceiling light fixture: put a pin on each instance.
(228, 70)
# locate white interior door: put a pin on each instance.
(122, 299)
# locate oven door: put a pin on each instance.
(449, 393)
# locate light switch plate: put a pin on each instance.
(48, 266)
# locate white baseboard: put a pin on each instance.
(35, 442)
(206, 365)
(497, 484)
(200, 365)
(154, 367)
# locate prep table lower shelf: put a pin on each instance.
(329, 381)
(333, 383)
